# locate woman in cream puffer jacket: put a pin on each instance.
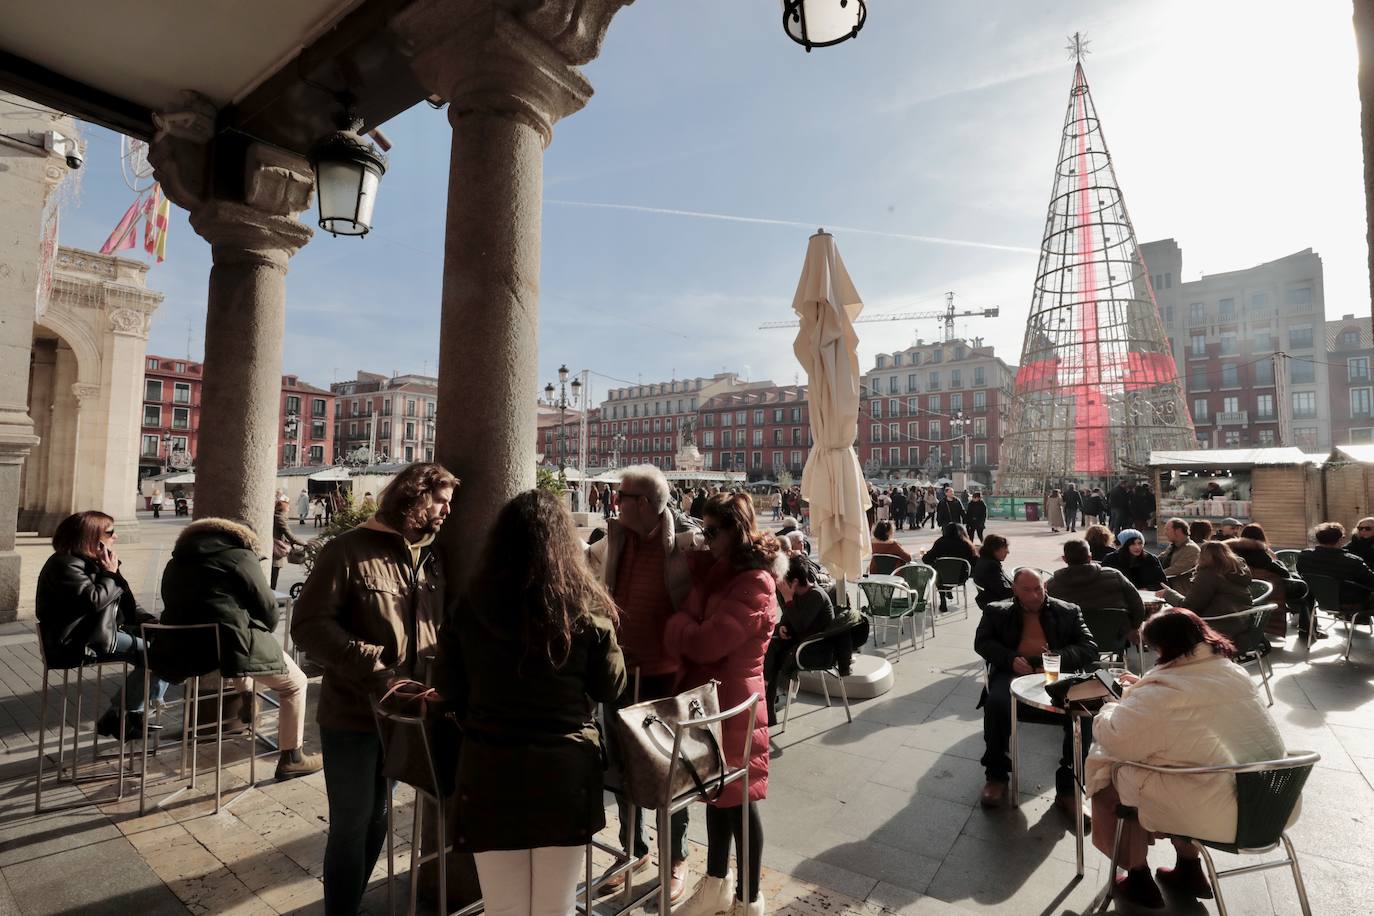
(1195, 708)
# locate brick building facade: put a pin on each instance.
(392, 416)
(1349, 350)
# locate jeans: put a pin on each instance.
(358, 799)
(997, 736)
(530, 882)
(1120, 519)
(1071, 518)
(130, 649)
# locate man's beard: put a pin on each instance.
(433, 525)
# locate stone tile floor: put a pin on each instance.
(875, 816)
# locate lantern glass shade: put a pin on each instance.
(819, 23)
(347, 173)
(562, 373)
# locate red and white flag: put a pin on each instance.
(123, 235)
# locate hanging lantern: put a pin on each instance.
(347, 172)
(821, 23)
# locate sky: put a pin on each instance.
(678, 203)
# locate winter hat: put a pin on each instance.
(1126, 535)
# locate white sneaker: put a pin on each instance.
(712, 897)
(740, 908)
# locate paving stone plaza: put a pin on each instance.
(875, 816)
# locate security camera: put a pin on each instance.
(61, 145)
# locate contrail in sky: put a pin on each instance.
(697, 214)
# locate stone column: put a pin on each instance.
(251, 242)
(507, 80)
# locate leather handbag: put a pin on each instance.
(280, 548)
(643, 734)
(404, 743)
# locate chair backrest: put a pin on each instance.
(879, 597)
(1289, 558)
(884, 564)
(823, 650)
(952, 571)
(1252, 638)
(1265, 800)
(918, 577)
(1260, 590)
(175, 652)
(1326, 592)
(1109, 626)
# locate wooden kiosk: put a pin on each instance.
(1349, 477)
(1280, 489)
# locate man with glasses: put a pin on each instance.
(643, 563)
(1362, 544)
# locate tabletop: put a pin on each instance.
(1150, 598)
(1030, 689)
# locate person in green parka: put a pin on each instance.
(215, 576)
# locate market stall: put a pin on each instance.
(1349, 477)
(1278, 488)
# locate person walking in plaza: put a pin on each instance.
(1179, 559)
(932, 503)
(989, 573)
(1095, 508)
(1194, 708)
(528, 654)
(156, 503)
(642, 562)
(1091, 586)
(721, 634)
(1119, 506)
(84, 604)
(303, 507)
(775, 501)
(368, 614)
(1012, 637)
(1142, 506)
(949, 511)
(976, 515)
(698, 503)
(1054, 511)
(282, 538)
(1135, 562)
(915, 507)
(898, 512)
(1073, 504)
(215, 576)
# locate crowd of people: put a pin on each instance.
(683, 588)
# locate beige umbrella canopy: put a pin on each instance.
(827, 348)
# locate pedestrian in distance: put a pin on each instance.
(156, 503)
(282, 538)
(1073, 504)
(976, 515)
(1054, 510)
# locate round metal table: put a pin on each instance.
(1030, 690)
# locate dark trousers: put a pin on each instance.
(1071, 518)
(997, 735)
(975, 532)
(357, 791)
(157, 510)
(932, 518)
(897, 519)
(723, 825)
(778, 668)
(651, 687)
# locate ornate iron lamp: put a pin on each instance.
(347, 173)
(822, 23)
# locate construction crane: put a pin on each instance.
(946, 316)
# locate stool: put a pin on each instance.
(76, 727)
(196, 640)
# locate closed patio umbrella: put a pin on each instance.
(827, 348)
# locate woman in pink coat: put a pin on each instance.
(721, 633)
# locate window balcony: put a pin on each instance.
(1233, 418)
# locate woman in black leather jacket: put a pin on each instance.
(84, 604)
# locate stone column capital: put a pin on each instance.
(485, 60)
(84, 392)
(238, 233)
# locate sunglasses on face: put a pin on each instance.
(709, 532)
(1364, 528)
(109, 532)
(640, 496)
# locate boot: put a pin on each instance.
(1186, 878)
(294, 764)
(1137, 887)
(712, 896)
(740, 908)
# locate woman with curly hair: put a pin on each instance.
(721, 634)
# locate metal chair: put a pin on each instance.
(883, 603)
(80, 668)
(184, 642)
(952, 573)
(883, 564)
(1288, 558)
(919, 577)
(823, 661)
(1326, 597)
(1111, 627)
(1260, 590)
(1266, 793)
(1251, 643)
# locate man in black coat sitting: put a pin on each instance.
(1330, 560)
(1011, 637)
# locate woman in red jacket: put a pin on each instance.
(721, 633)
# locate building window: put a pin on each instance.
(894, 432)
(1259, 300)
(1359, 402)
(980, 427)
(1299, 295)
(980, 400)
(876, 409)
(882, 361)
(1197, 379)
(875, 433)
(1265, 437)
(152, 363)
(708, 438)
(1200, 410)
(894, 408)
(1227, 309)
(956, 402)
(1300, 337)
(293, 405)
(796, 459)
(152, 391)
(777, 415)
(1357, 368)
(913, 406)
(1350, 339)
(1363, 436)
(181, 367)
(894, 457)
(933, 403)
(979, 377)
(956, 378)
(1305, 438)
(796, 414)
(934, 429)
(181, 393)
(1197, 345)
(1264, 372)
(317, 430)
(913, 456)
(980, 455)
(1229, 345)
(1304, 404)
(410, 433)
(1230, 405)
(757, 460)
(150, 446)
(937, 356)
(911, 384)
(758, 437)
(1230, 375)
(152, 416)
(1301, 371)
(181, 418)
(796, 435)
(1196, 315)
(934, 381)
(1264, 407)
(741, 417)
(758, 417)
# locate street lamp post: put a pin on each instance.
(293, 432)
(563, 403)
(167, 446)
(958, 426)
(618, 444)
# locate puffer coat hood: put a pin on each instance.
(213, 535)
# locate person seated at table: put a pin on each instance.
(1011, 638)
(1362, 541)
(1227, 528)
(1101, 541)
(1290, 593)
(214, 576)
(1195, 707)
(1180, 557)
(952, 542)
(989, 574)
(1200, 531)
(1220, 586)
(795, 545)
(789, 524)
(806, 611)
(1092, 586)
(1328, 559)
(885, 546)
(1135, 562)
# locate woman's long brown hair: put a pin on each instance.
(735, 514)
(79, 534)
(534, 565)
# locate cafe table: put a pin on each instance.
(1030, 690)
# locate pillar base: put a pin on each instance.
(9, 586)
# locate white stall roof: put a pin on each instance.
(1234, 458)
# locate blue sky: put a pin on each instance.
(1233, 125)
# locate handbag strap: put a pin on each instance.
(695, 707)
(405, 690)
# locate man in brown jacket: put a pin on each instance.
(369, 613)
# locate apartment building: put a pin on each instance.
(649, 417)
(392, 416)
(1349, 350)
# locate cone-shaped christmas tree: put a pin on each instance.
(1098, 387)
